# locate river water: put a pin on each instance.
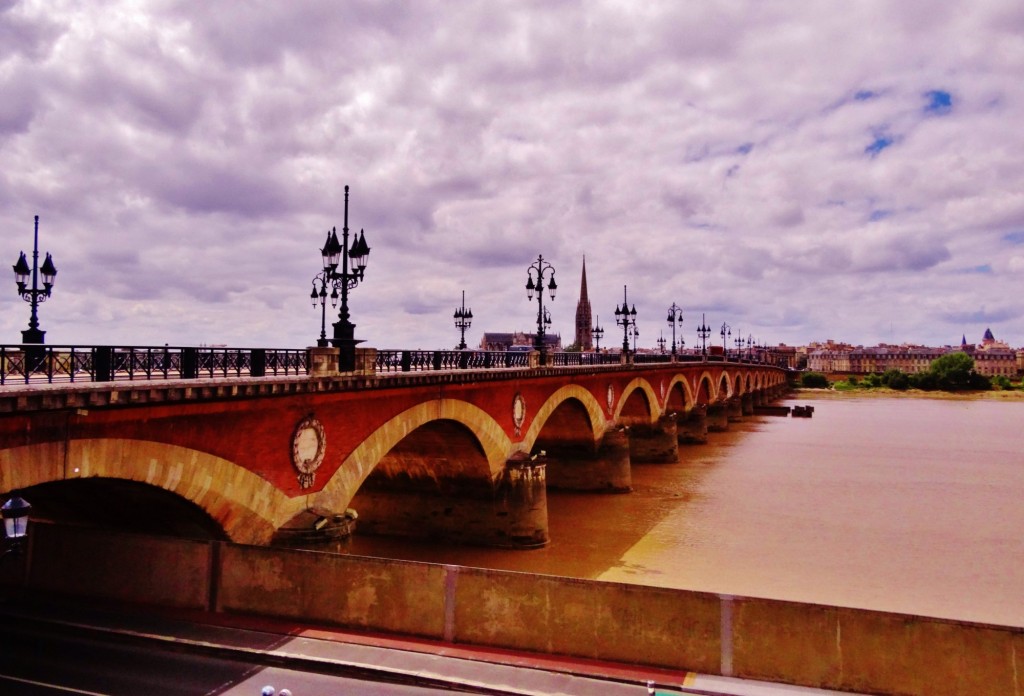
(906, 505)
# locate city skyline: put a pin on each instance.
(799, 173)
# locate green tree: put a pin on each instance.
(925, 381)
(1001, 382)
(955, 372)
(814, 380)
(895, 379)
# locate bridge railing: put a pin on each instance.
(28, 364)
(426, 360)
(32, 364)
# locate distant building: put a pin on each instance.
(519, 339)
(991, 357)
(584, 318)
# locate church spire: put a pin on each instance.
(584, 318)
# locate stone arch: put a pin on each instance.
(738, 390)
(705, 390)
(573, 392)
(495, 444)
(641, 389)
(247, 507)
(680, 396)
(724, 387)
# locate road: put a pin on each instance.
(43, 659)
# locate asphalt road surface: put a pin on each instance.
(43, 659)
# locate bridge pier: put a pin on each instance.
(657, 443)
(734, 409)
(747, 404)
(692, 427)
(512, 513)
(603, 469)
(717, 418)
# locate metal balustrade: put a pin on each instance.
(30, 363)
(38, 364)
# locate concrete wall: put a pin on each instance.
(804, 644)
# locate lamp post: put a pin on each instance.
(15, 515)
(726, 334)
(675, 318)
(739, 344)
(750, 343)
(463, 320)
(635, 332)
(703, 331)
(598, 333)
(540, 267)
(35, 295)
(626, 318)
(661, 343)
(319, 296)
(333, 253)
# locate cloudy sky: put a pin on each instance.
(802, 171)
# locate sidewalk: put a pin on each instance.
(390, 658)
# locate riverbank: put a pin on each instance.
(886, 393)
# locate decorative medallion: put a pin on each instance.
(518, 413)
(308, 445)
(611, 399)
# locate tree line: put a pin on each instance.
(950, 372)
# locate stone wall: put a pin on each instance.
(803, 644)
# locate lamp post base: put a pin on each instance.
(33, 336)
(344, 340)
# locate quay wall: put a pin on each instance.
(790, 642)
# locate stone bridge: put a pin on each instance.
(466, 456)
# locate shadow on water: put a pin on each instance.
(590, 532)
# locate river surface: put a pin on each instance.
(906, 505)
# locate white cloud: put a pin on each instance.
(187, 161)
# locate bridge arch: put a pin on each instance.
(724, 387)
(494, 443)
(638, 403)
(680, 396)
(706, 389)
(556, 405)
(246, 506)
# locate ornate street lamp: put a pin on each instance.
(675, 318)
(352, 258)
(318, 295)
(635, 332)
(35, 295)
(750, 343)
(661, 343)
(739, 345)
(540, 267)
(703, 331)
(726, 333)
(626, 318)
(463, 320)
(15, 515)
(598, 333)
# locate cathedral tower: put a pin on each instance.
(584, 319)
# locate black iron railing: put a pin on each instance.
(48, 363)
(37, 364)
(423, 360)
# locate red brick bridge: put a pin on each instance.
(466, 455)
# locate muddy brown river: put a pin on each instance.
(908, 505)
